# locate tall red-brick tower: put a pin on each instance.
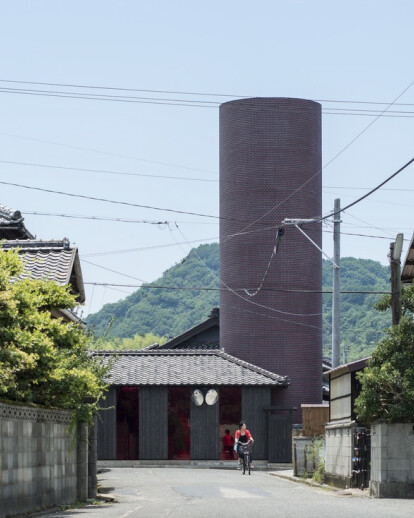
(270, 169)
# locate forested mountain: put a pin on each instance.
(170, 312)
(166, 312)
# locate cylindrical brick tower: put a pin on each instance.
(270, 169)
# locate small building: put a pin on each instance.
(53, 260)
(205, 335)
(177, 404)
(407, 274)
(347, 442)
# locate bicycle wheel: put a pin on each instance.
(248, 461)
(244, 464)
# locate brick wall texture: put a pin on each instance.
(269, 148)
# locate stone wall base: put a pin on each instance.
(337, 481)
(391, 489)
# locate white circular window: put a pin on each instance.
(211, 397)
(197, 397)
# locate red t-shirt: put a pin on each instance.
(238, 433)
(228, 440)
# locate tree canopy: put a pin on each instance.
(387, 392)
(43, 360)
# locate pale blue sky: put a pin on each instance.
(321, 50)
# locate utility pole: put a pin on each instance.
(395, 263)
(336, 287)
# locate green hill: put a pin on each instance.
(170, 312)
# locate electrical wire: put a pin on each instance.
(95, 218)
(369, 192)
(125, 220)
(177, 92)
(65, 95)
(202, 288)
(103, 171)
(107, 153)
(243, 298)
(182, 102)
(113, 271)
(279, 235)
(330, 161)
(384, 231)
(105, 200)
(365, 188)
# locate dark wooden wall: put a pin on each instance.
(280, 439)
(204, 432)
(107, 426)
(153, 423)
(254, 399)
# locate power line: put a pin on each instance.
(243, 298)
(104, 171)
(65, 85)
(330, 161)
(107, 153)
(365, 188)
(181, 102)
(113, 271)
(109, 98)
(178, 92)
(203, 288)
(105, 200)
(142, 249)
(152, 247)
(369, 192)
(96, 218)
(386, 115)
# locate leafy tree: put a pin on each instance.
(43, 360)
(387, 392)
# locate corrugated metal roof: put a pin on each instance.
(186, 367)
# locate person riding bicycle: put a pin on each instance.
(242, 436)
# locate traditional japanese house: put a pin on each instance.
(176, 404)
(54, 260)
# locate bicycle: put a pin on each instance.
(246, 450)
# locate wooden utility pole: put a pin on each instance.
(336, 287)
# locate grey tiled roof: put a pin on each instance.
(12, 224)
(7, 214)
(186, 367)
(50, 260)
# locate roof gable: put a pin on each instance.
(50, 260)
(12, 224)
(186, 367)
(193, 337)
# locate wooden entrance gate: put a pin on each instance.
(279, 435)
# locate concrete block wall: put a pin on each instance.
(38, 459)
(308, 451)
(338, 453)
(392, 460)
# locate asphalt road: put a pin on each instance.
(198, 493)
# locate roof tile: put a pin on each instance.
(186, 367)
